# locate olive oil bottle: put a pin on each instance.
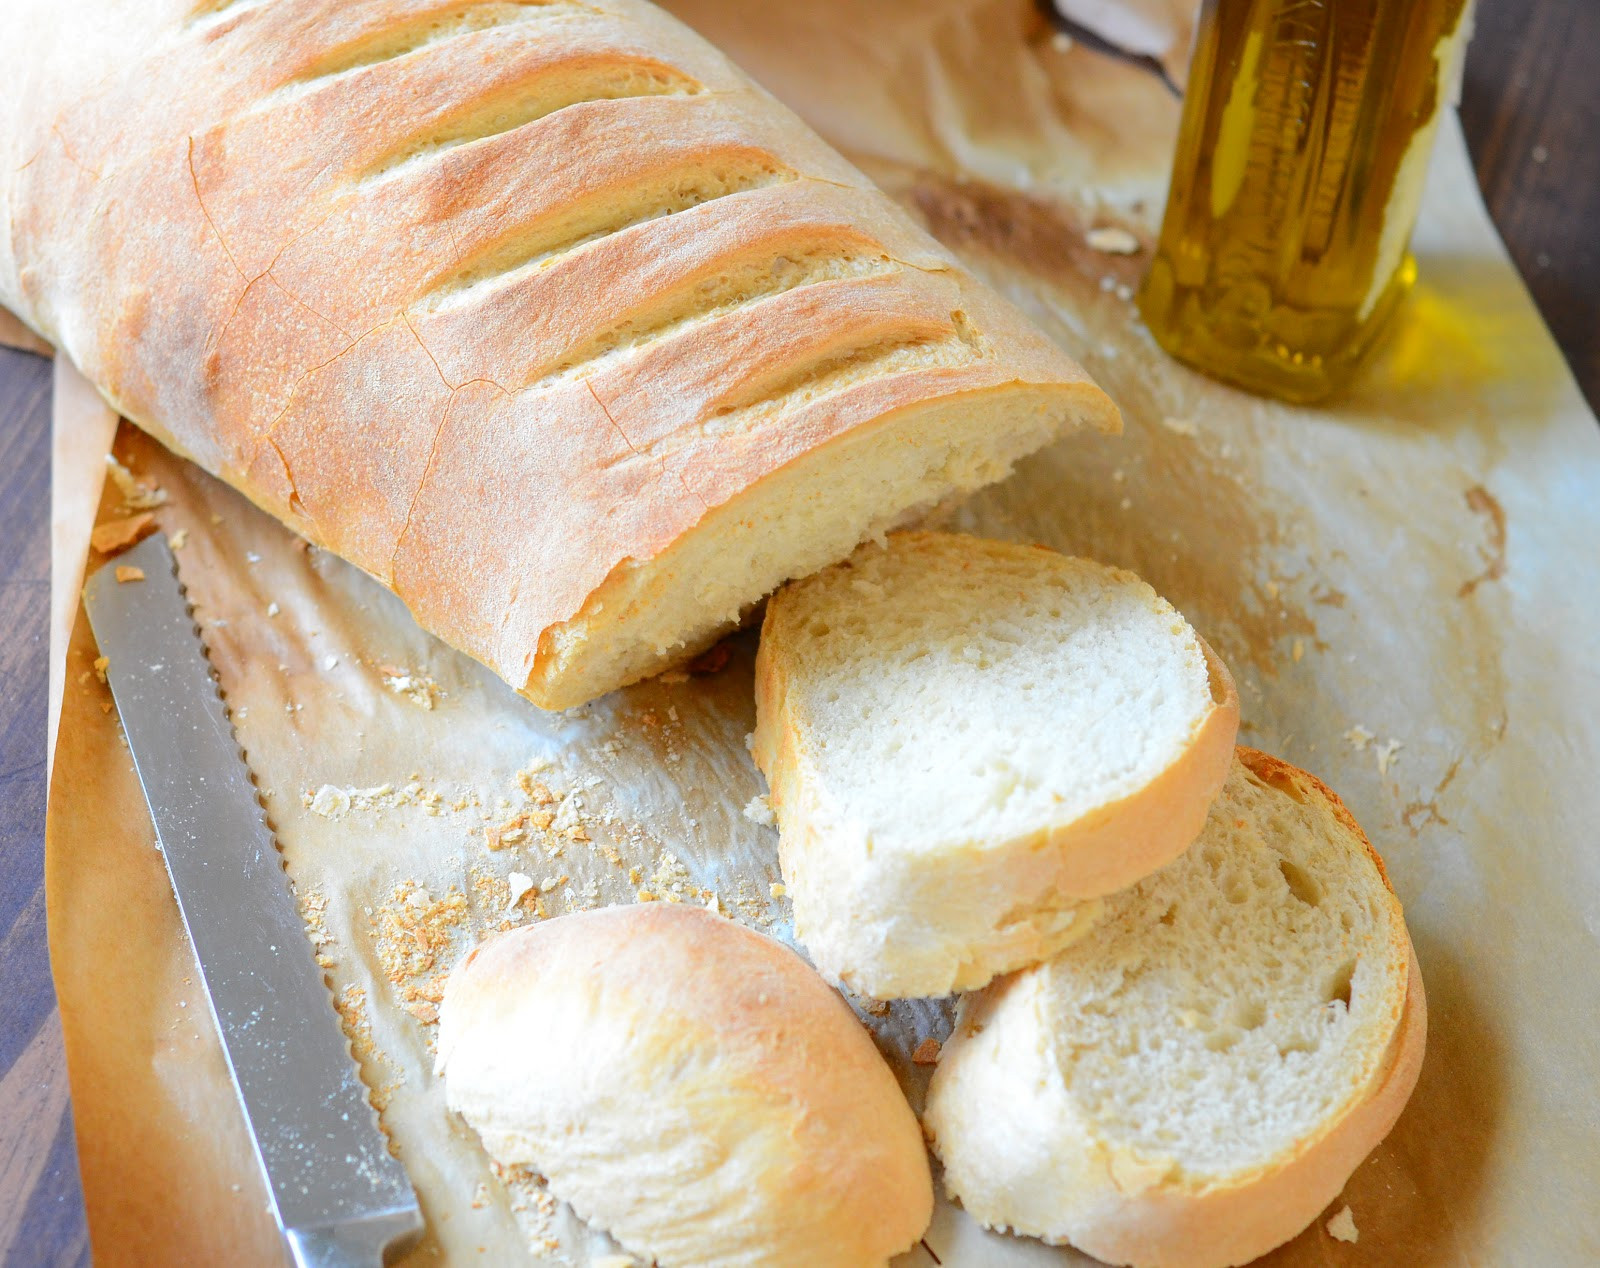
(1307, 126)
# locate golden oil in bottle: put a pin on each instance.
(1307, 126)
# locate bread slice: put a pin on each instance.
(541, 313)
(967, 742)
(1195, 1082)
(690, 1086)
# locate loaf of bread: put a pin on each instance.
(1194, 1083)
(541, 312)
(688, 1085)
(968, 742)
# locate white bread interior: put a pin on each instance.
(1194, 1083)
(688, 1085)
(968, 742)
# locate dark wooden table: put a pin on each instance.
(1531, 108)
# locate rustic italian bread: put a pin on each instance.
(540, 312)
(690, 1086)
(967, 743)
(1195, 1082)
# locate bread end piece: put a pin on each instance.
(1024, 1149)
(689, 1085)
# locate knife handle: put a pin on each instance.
(355, 1243)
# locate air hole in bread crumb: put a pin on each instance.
(1284, 783)
(1300, 883)
(1338, 988)
(1248, 1015)
(1170, 914)
(1222, 1040)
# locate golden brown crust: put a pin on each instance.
(374, 265)
(697, 1089)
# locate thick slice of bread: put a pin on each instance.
(967, 742)
(1195, 1082)
(541, 312)
(689, 1085)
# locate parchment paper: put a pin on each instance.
(1405, 586)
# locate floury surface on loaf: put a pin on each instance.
(968, 743)
(541, 313)
(689, 1085)
(1194, 1083)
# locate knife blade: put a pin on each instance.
(339, 1196)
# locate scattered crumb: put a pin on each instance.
(113, 535)
(520, 884)
(273, 609)
(138, 494)
(1342, 1227)
(877, 1007)
(1359, 738)
(1124, 293)
(714, 905)
(504, 835)
(101, 664)
(927, 1052)
(777, 889)
(178, 539)
(1299, 650)
(127, 572)
(759, 810)
(672, 676)
(480, 1196)
(1112, 240)
(420, 690)
(1387, 754)
(1180, 425)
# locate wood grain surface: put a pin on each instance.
(1531, 110)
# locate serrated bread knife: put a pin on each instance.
(339, 1196)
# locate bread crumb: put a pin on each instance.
(777, 889)
(759, 810)
(1182, 426)
(137, 494)
(1359, 737)
(127, 572)
(273, 609)
(714, 905)
(672, 676)
(101, 664)
(113, 535)
(1342, 1227)
(520, 883)
(645, 896)
(179, 539)
(1387, 753)
(1299, 650)
(421, 691)
(927, 1052)
(1112, 240)
(877, 1008)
